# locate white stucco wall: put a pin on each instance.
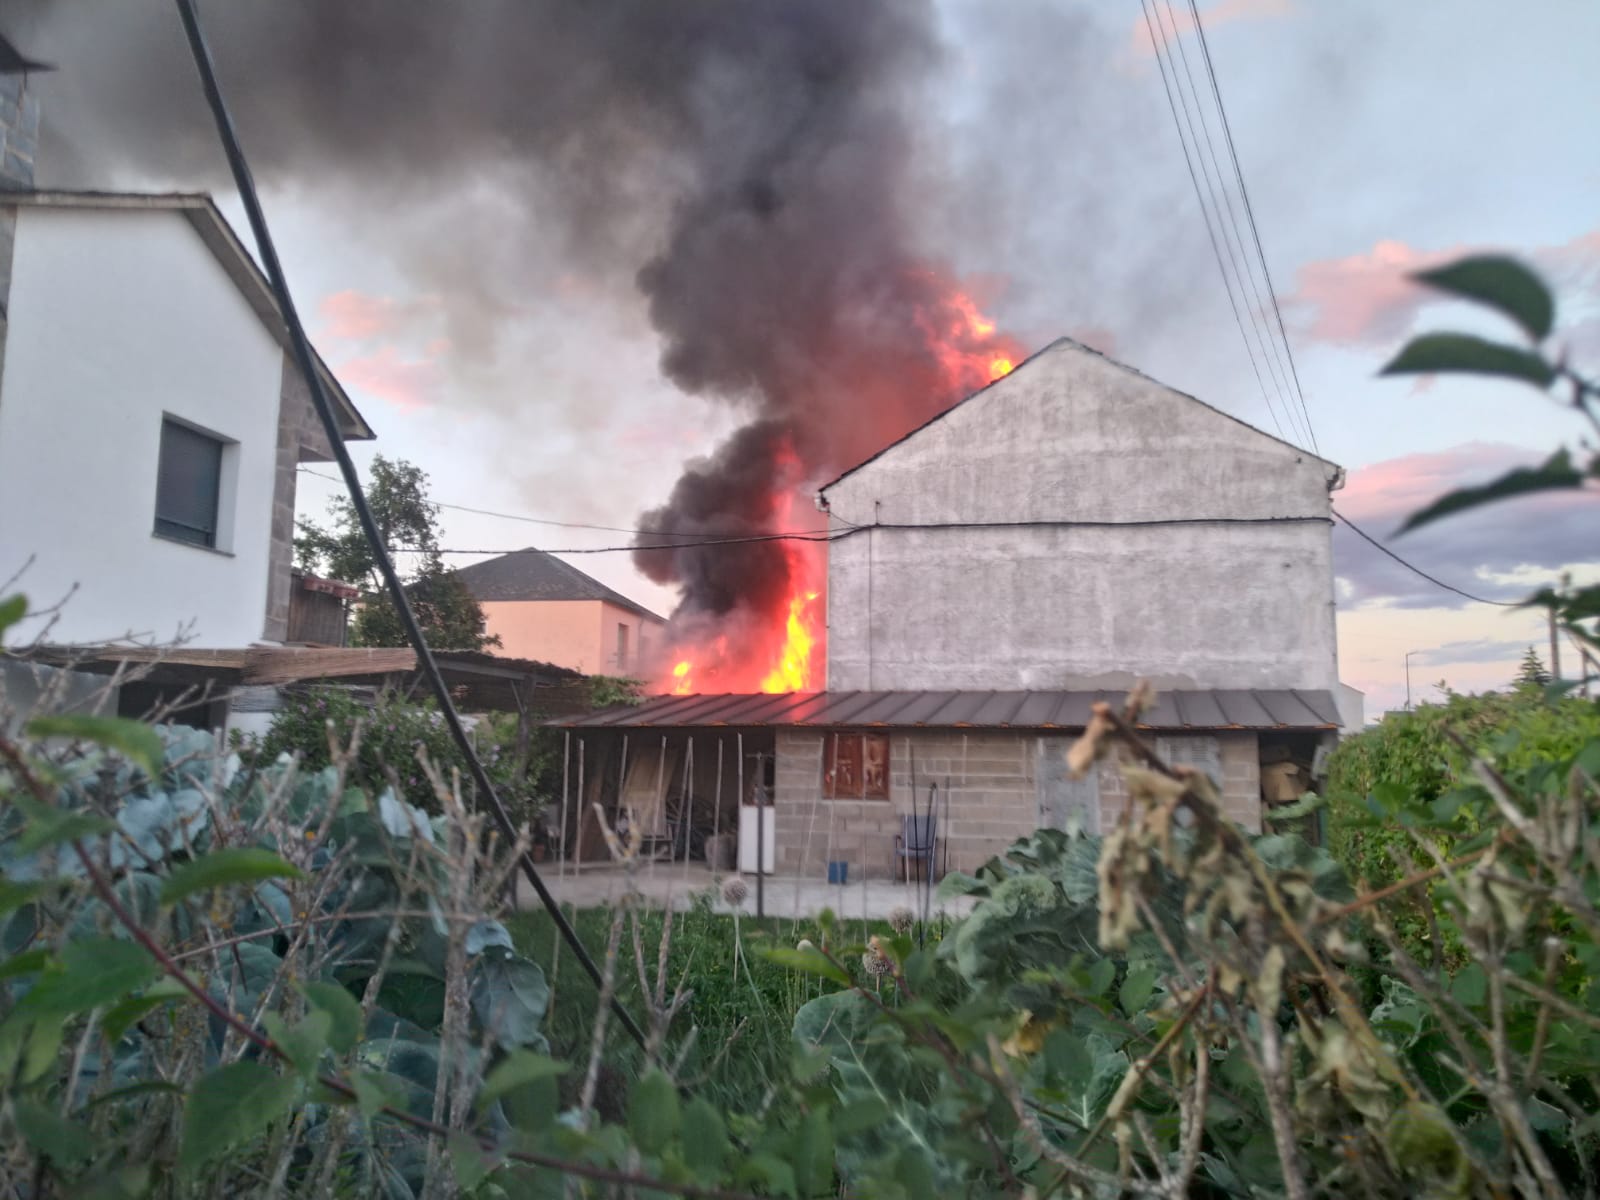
(1073, 437)
(117, 317)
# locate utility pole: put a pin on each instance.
(1555, 649)
(1409, 653)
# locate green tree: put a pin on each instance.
(1532, 673)
(407, 521)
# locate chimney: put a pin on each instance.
(19, 117)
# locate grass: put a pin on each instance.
(741, 1007)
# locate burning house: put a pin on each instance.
(1064, 531)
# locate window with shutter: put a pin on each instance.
(188, 484)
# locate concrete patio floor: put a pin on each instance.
(665, 884)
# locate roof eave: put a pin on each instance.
(220, 238)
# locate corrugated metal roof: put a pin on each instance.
(966, 710)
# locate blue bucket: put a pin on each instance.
(838, 872)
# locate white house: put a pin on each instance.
(151, 416)
(151, 419)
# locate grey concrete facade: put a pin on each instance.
(1079, 525)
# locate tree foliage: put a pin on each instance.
(407, 522)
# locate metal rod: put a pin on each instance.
(306, 361)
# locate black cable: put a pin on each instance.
(1205, 213)
(840, 535)
(1367, 537)
(1241, 266)
(1250, 216)
(397, 593)
(505, 516)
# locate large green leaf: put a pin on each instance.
(344, 1014)
(653, 1115)
(304, 1041)
(94, 972)
(233, 864)
(518, 1068)
(705, 1139)
(1554, 474)
(12, 610)
(509, 998)
(871, 1064)
(231, 1106)
(1503, 284)
(133, 739)
(1462, 353)
(55, 1137)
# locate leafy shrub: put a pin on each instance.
(313, 721)
(1411, 769)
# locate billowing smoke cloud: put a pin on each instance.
(748, 165)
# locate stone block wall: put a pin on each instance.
(992, 800)
(994, 797)
(19, 131)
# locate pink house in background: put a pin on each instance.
(549, 611)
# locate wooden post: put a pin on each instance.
(716, 812)
(686, 801)
(566, 766)
(583, 806)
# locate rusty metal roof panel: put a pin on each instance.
(1177, 709)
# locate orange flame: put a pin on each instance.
(793, 672)
(786, 651)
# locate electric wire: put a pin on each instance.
(505, 516)
(1205, 213)
(1250, 218)
(305, 361)
(1237, 254)
(1416, 570)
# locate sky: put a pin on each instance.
(1375, 139)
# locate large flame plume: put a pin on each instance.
(774, 637)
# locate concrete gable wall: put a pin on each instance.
(1072, 435)
(1244, 600)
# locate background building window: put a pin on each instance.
(188, 484)
(855, 766)
(622, 647)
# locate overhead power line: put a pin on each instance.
(505, 516)
(1418, 571)
(1266, 335)
(1205, 213)
(1250, 216)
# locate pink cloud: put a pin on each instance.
(1169, 19)
(1367, 299)
(355, 316)
(1386, 492)
(406, 383)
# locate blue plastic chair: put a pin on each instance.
(914, 843)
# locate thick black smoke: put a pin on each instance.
(750, 160)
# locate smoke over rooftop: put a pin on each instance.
(750, 166)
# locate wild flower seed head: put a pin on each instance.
(734, 890)
(901, 919)
(805, 944)
(875, 961)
